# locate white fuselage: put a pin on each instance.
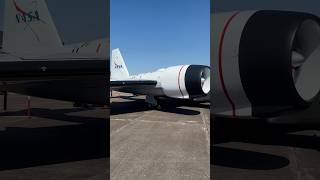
(171, 82)
(96, 49)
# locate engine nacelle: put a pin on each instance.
(183, 82)
(264, 61)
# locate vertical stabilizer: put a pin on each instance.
(119, 69)
(29, 28)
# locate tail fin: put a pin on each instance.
(28, 27)
(118, 67)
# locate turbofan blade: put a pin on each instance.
(297, 59)
(306, 75)
(202, 80)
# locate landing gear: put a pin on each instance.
(158, 107)
(153, 102)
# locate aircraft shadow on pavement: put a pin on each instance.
(23, 147)
(248, 131)
(139, 105)
(243, 159)
(187, 103)
(259, 132)
(178, 106)
(179, 110)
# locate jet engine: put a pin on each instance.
(183, 82)
(265, 62)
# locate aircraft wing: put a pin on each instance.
(72, 80)
(132, 83)
(136, 86)
(35, 62)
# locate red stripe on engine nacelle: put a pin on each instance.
(226, 26)
(179, 81)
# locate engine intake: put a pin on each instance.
(197, 80)
(277, 63)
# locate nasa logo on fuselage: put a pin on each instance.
(29, 17)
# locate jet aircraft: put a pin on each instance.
(184, 82)
(35, 61)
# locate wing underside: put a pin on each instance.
(72, 80)
(132, 83)
(145, 87)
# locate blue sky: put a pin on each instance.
(152, 34)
